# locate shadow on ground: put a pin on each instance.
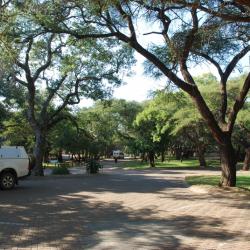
(62, 212)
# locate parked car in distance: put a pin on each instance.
(14, 165)
(118, 154)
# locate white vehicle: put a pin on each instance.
(14, 165)
(118, 154)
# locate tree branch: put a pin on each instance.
(239, 102)
(211, 60)
(67, 100)
(48, 61)
(20, 81)
(235, 60)
(51, 95)
(129, 20)
(187, 47)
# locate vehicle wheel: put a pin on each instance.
(7, 181)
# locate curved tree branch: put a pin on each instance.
(239, 102)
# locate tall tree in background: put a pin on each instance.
(15, 130)
(110, 125)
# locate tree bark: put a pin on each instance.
(246, 163)
(46, 155)
(228, 164)
(144, 157)
(177, 152)
(39, 152)
(162, 155)
(151, 157)
(59, 156)
(201, 157)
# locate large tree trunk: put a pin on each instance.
(246, 163)
(201, 156)
(228, 164)
(38, 153)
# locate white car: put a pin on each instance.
(14, 165)
(118, 154)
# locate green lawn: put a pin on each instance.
(242, 181)
(190, 163)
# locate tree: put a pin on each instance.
(124, 113)
(16, 131)
(109, 124)
(55, 71)
(144, 139)
(153, 126)
(100, 124)
(190, 125)
(176, 125)
(67, 136)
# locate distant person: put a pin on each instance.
(116, 159)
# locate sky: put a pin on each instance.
(138, 86)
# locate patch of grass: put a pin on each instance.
(212, 180)
(241, 182)
(135, 164)
(172, 163)
(213, 163)
(189, 163)
(60, 171)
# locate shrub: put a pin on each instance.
(60, 170)
(93, 166)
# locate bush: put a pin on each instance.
(93, 166)
(60, 170)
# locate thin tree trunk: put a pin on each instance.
(228, 164)
(79, 158)
(246, 163)
(38, 153)
(201, 156)
(163, 156)
(151, 156)
(202, 160)
(59, 156)
(46, 155)
(177, 152)
(144, 157)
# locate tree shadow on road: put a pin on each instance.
(65, 213)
